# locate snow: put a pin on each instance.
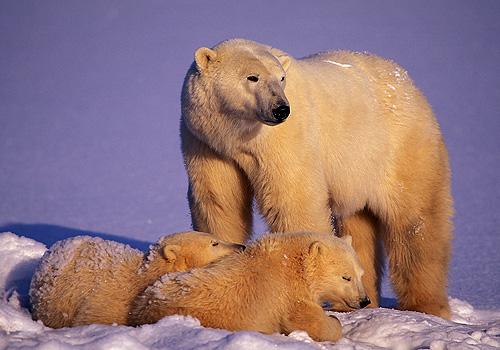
(18, 260)
(364, 329)
(343, 65)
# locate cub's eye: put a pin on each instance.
(347, 278)
(253, 78)
(215, 244)
(282, 78)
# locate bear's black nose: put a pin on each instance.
(281, 112)
(364, 302)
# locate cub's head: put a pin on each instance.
(187, 250)
(334, 274)
(246, 79)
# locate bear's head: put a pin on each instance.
(245, 80)
(334, 274)
(187, 250)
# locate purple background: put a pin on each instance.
(89, 108)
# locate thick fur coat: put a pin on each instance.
(84, 280)
(277, 284)
(339, 133)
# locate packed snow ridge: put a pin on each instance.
(363, 329)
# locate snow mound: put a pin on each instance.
(394, 329)
(363, 329)
(19, 256)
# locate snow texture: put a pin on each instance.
(364, 329)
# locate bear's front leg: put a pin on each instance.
(220, 195)
(294, 202)
(311, 318)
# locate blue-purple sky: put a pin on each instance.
(89, 107)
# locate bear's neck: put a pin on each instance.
(285, 259)
(204, 116)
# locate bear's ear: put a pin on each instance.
(283, 57)
(316, 248)
(204, 57)
(347, 239)
(285, 62)
(170, 252)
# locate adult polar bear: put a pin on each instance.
(360, 142)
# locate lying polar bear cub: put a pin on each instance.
(277, 284)
(83, 280)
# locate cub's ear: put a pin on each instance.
(283, 57)
(347, 239)
(316, 248)
(204, 57)
(170, 252)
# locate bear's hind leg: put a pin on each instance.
(363, 226)
(418, 258)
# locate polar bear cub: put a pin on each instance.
(83, 280)
(277, 284)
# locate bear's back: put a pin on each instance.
(72, 270)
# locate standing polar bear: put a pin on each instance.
(335, 135)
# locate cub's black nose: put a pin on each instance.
(364, 302)
(281, 112)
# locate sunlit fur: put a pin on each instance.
(361, 141)
(84, 280)
(276, 285)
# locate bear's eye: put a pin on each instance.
(347, 278)
(282, 78)
(215, 244)
(253, 78)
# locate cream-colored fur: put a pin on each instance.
(83, 280)
(276, 285)
(361, 142)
